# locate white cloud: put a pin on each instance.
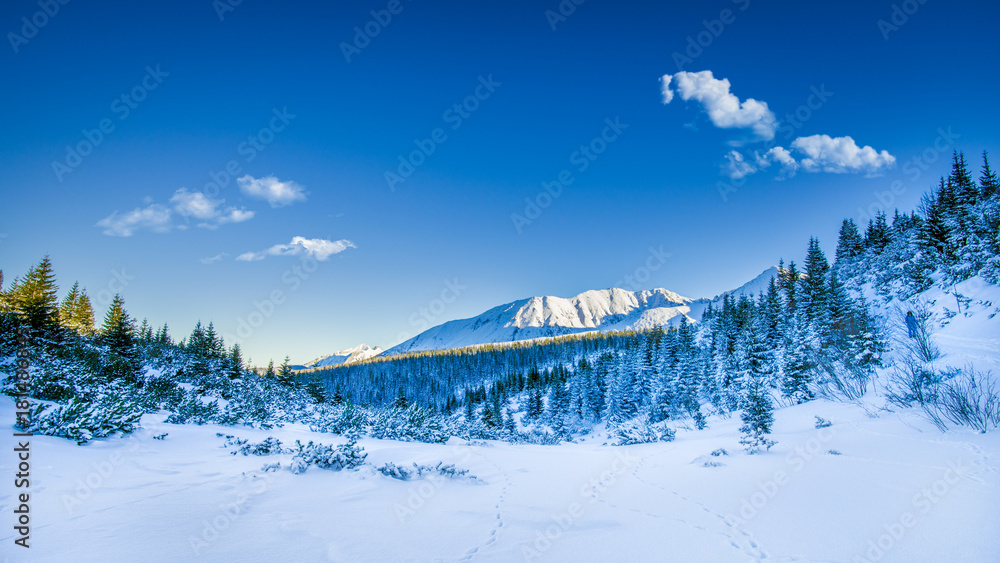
(737, 167)
(196, 204)
(250, 256)
(276, 192)
(820, 153)
(159, 218)
(213, 259)
(668, 94)
(841, 155)
(154, 217)
(234, 215)
(318, 248)
(724, 109)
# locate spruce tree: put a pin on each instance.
(815, 284)
(118, 332)
(34, 300)
(989, 184)
(850, 245)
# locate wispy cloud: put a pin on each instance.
(160, 218)
(214, 259)
(271, 189)
(154, 217)
(318, 248)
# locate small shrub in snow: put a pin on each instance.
(269, 446)
(822, 422)
(719, 452)
(833, 452)
(639, 431)
(160, 436)
(404, 473)
(710, 463)
(298, 465)
(83, 421)
(336, 458)
(269, 467)
(970, 399)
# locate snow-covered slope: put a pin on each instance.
(602, 310)
(887, 489)
(348, 356)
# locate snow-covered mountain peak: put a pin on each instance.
(346, 356)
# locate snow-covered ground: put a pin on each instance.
(899, 490)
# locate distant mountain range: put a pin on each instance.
(602, 310)
(348, 356)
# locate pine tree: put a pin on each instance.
(34, 300)
(285, 372)
(118, 334)
(989, 184)
(213, 345)
(270, 369)
(83, 315)
(878, 236)
(815, 284)
(757, 417)
(850, 245)
(118, 331)
(235, 362)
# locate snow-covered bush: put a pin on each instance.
(270, 446)
(159, 392)
(409, 424)
(338, 419)
(640, 431)
(822, 422)
(336, 458)
(82, 420)
(404, 473)
(194, 410)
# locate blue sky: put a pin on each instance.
(378, 260)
